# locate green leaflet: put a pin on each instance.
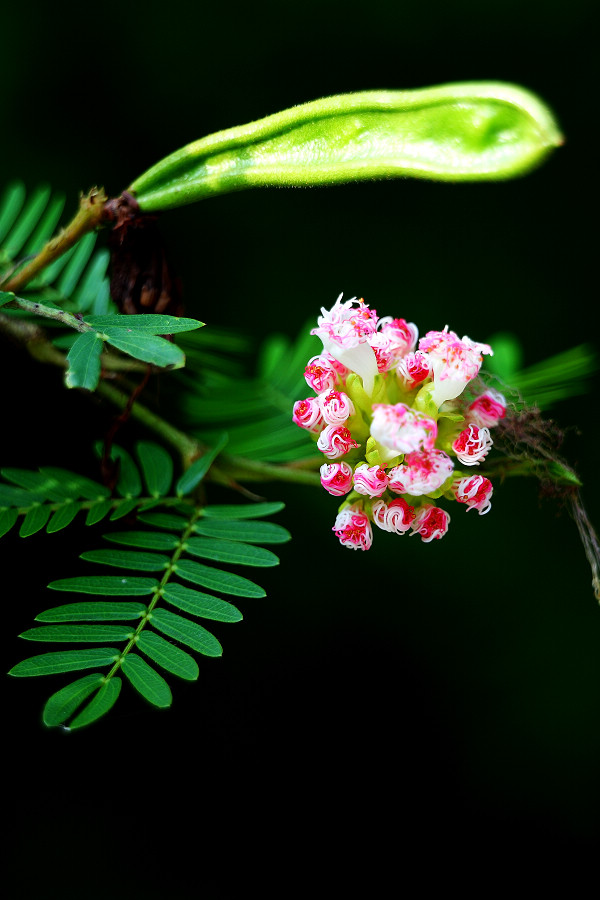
(199, 604)
(65, 661)
(124, 509)
(190, 633)
(151, 349)
(83, 362)
(34, 521)
(144, 323)
(144, 679)
(83, 634)
(217, 579)
(8, 517)
(453, 132)
(6, 297)
(99, 705)
(63, 517)
(196, 472)
(129, 483)
(230, 552)
(63, 703)
(147, 540)
(170, 657)
(94, 611)
(169, 521)
(242, 511)
(113, 585)
(98, 512)
(157, 467)
(249, 532)
(124, 559)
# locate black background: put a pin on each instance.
(427, 711)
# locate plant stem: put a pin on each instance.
(50, 312)
(90, 215)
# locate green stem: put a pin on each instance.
(89, 216)
(50, 312)
(157, 593)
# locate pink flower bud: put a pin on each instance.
(336, 407)
(370, 480)
(431, 523)
(395, 516)
(353, 528)
(393, 340)
(454, 362)
(320, 375)
(487, 409)
(421, 472)
(335, 441)
(344, 331)
(401, 429)
(472, 445)
(336, 478)
(413, 369)
(307, 414)
(476, 491)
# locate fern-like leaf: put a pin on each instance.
(174, 588)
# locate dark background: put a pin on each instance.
(428, 710)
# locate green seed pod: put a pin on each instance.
(474, 131)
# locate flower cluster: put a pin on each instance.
(397, 419)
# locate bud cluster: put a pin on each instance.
(392, 416)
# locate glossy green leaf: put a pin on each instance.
(453, 132)
(196, 472)
(157, 467)
(129, 482)
(82, 634)
(99, 705)
(14, 496)
(93, 611)
(168, 656)
(230, 552)
(123, 509)
(200, 604)
(27, 221)
(11, 205)
(147, 540)
(65, 661)
(144, 679)
(75, 485)
(8, 517)
(217, 579)
(34, 520)
(189, 633)
(83, 362)
(242, 511)
(63, 703)
(169, 521)
(124, 559)
(98, 511)
(49, 487)
(109, 585)
(249, 532)
(63, 517)
(151, 349)
(145, 323)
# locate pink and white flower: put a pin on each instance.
(454, 362)
(472, 445)
(393, 340)
(421, 472)
(335, 441)
(336, 478)
(344, 331)
(336, 407)
(307, 414)
(395, 516)
(370, 480)
(353, 528)
(400, 429)
(414, 369)
(476, 491)
(430, 522)
(487, 409)
(320, 374)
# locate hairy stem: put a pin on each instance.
(89, 216)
